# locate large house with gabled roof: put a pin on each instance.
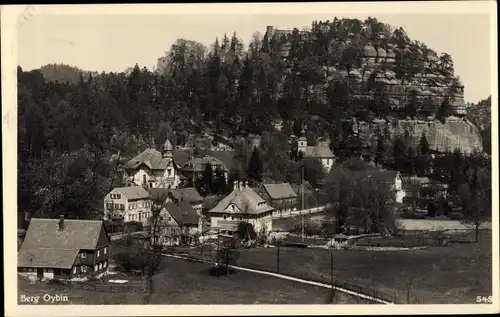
(64, 248)
(187, 194)
(128, 203)
(242, 204)
(280, 196)
(153, 169)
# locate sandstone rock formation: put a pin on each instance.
(408, 72)
(454, 133)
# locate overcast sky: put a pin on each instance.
(111, 40)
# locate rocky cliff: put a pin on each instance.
(453, 133)
(375, 60)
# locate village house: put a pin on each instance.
(196, 166)
(242, 204)
(128, 203)
(178, 222)
(153, 169)
(64, 248)
(320, 151)
(188, 194)
(280, 196)
(391, 179)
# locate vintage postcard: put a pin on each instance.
(237, 159)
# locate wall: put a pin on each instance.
(137, 208)
(107, 199)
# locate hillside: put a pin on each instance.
(64, 73)
(388, 76)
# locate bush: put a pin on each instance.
(133, 226)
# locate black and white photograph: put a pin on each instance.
(326, 155)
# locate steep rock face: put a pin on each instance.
(407, 72)
(454, 133)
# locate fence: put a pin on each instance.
(128, 287)
(289, 213)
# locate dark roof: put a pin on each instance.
(226, 157)
(199, 164)
(181, 157)
(46, 246)
(77, 234)
(189, 194)
(278, 191)
(46, 257)
(183, 213)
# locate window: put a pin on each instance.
(118, 196)
(96, 267)
(224, 216)
(232, 218)
(129, 207)
(140, 216)
(83, 255)
(112, 196)
(84, 268)
(100, 266)
(105, 264)
(98, 252)
(105, 250)
(144, 179)
(74, 269)
(108, 205)
(129, 217)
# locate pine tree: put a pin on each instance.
(220, 185)
(423, 145)
(208, 187)
(380, 153)
(399, 155)
(254, 171)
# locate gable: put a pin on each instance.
(103, 240)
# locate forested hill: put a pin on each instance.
(64, 73)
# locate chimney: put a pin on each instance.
(61, 222)
(235, 185)
(240, 184)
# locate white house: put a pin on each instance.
(242, 204)
(130, 203)
(320, 151)
(154, 169)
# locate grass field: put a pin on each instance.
(184, 282)
(452, 274)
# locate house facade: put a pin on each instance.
(188, 194)
(129, 203)
(153, 169)
(178, 223)
(64, 249)
(320, 151)
(280, 196)
(196, 166)
(242, 204)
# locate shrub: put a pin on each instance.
(133, 226)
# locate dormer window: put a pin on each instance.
(83, 255)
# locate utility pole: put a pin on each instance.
(278, 257)
(302, 211)
(331, 275)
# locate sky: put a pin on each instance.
(119, 39)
